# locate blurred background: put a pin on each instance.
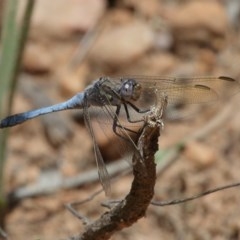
(73, 42)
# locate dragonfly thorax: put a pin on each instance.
(102, 93)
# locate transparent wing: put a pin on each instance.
(124, 145)
(102, 170)
(184, 90)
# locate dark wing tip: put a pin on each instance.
(227, 78)
(202, 87)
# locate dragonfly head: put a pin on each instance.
(130, 89)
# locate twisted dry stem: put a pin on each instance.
(134, 206)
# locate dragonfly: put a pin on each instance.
(132, 96)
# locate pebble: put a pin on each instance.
(201, 155)
(123, 44)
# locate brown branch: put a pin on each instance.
(134, 206)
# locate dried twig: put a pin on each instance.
(86, 43)
(52, 181)
(70, 207)
(202, 194)
(134, 206)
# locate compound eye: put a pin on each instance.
(127, 87)
(127, 90)
(130, 90)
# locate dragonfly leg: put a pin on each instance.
(116, 125)
(136, 109)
